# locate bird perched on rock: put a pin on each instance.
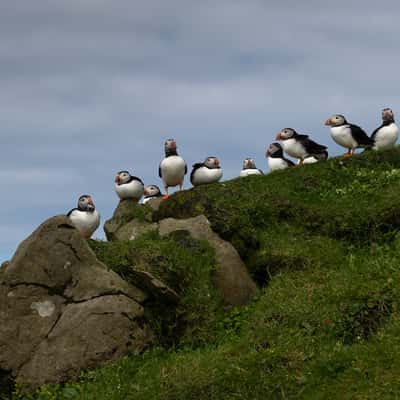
(128, 186)
(173, 168)
(249, 168)
(208, 171)
(151, 192)
(348, 135)
(276, 159)
(299, 146)
(85, 217)
(317, 157)
(386, 135)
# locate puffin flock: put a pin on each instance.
(173, 168)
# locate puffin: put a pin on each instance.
(298, 146)
(275, 158)
(317, 157)
(249, 168)
(385, 136)
(128, 186)
(208, 171)
(173, 168)
(348, 135)
(85, 217)
(151, 192)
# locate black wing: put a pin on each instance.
(360, 136)
(311, 146)
(290, 163)
(135, 178)
(159, 171)
(194, 168)
(376, 131)
(261, 171)
(185, 168)
(71, 211)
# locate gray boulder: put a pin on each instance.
(129, 220)
(232, 278)
(62, 311)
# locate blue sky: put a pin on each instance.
(93, 87)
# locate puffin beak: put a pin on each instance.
(145, 192)
(216, 163)
(116, 180)
(328, 122)
(278, 136)
(90, 201)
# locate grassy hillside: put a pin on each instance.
(322, 242)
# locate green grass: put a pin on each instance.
(322, 241)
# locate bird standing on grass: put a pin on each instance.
(249, 168)
(299, 146)
(173, 168)
(85, 217)
(386, 135)
(208, 171)
(151, 192)
(348, 135)
(128, 186)
(276, 159)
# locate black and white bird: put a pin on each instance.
(386, 135)
(348, 135)
(151, 192)
(317, 157)
(173, 168)
(299, 146)
(249, 168)
(276, 159)
(208, 171)
(128, 186)
(85, 217)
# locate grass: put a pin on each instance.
(322, 242)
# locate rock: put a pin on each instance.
(232, 278)
(128, 221)
(157, 288)
(62, 311)
(155, 203)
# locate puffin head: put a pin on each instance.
(212, 162)
(336, 120)
(170, 144)
(274, 149)
(387, 115)
(85, 203)
(152, 190)
(285, 134)
(249, 163)
(122, 177)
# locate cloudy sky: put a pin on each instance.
(91, 87)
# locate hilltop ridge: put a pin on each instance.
(322, 243)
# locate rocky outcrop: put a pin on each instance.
(129, 220)
(232, 278)
(62, 311)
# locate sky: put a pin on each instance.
(92, 87)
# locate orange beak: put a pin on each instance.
(145, 192)
(328, 122)
(90, 201)
(278, 136)
(216, 163)
(116, 180)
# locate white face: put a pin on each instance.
(273, 148)
(85, 203)
(336, 120)
(212, 162)
(285, 134)
(170, 144)
(122, 177)
(387, 114)
(151, 190)
(249, 163)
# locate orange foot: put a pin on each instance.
(348, 155)
(166, 197)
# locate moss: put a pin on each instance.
(184, 264)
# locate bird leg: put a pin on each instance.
(349, 153)
(166, 196)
